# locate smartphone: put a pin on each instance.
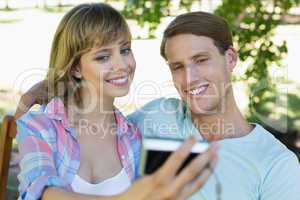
(156, 151)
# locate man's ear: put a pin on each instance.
(231, 58)
(75, 71)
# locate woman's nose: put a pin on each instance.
(119, 63)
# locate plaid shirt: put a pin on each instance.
(50, 152)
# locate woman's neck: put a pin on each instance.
(93, 111)
(96, 104)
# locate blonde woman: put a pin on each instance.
(78, 145)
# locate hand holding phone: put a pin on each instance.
(156, 151)
(167, 182)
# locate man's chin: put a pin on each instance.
(202, 109)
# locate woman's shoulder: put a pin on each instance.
(39, 122)
(32, 123)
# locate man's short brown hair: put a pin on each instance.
(200, 24)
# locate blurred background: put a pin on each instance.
(266, 35)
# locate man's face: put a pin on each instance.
(201, 74)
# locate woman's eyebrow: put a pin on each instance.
(124, 42)
(109, 49)
(103, 50)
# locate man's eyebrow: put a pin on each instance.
(173, 63)
(200, 54)
(197, 55)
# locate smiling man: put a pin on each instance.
(253, 165)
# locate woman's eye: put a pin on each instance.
(102, 58)
(125, 51)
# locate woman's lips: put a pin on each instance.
(120, 81)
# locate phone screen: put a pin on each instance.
(156, 151)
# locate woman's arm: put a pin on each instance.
(37, 94)
(61, 194)
(163, 184)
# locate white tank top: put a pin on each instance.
(111, 186)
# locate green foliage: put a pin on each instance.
(9, 21)
(147, 12)
(2, 112)
(150, 12)
(253, 23)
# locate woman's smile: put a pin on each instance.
(120, 81)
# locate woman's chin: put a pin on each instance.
(118, 92)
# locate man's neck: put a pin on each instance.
(222, 125)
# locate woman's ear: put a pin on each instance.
(75, 71)
(231, 58)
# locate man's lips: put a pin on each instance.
(197, 91)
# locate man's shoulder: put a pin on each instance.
(162, 104)
(281, 169)
(269, 142)
(163, 117)
(159, 107)
(260, 148)
(270, 151)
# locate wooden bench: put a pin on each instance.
(8, 133)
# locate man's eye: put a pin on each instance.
(102, 58)
(125, 51)
(177, 67)
(201, 60)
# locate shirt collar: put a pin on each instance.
(122, 123)
(55, 109)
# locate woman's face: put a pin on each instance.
(108, 70)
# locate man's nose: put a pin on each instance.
(191, 73)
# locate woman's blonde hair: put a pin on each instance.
(82, 28)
